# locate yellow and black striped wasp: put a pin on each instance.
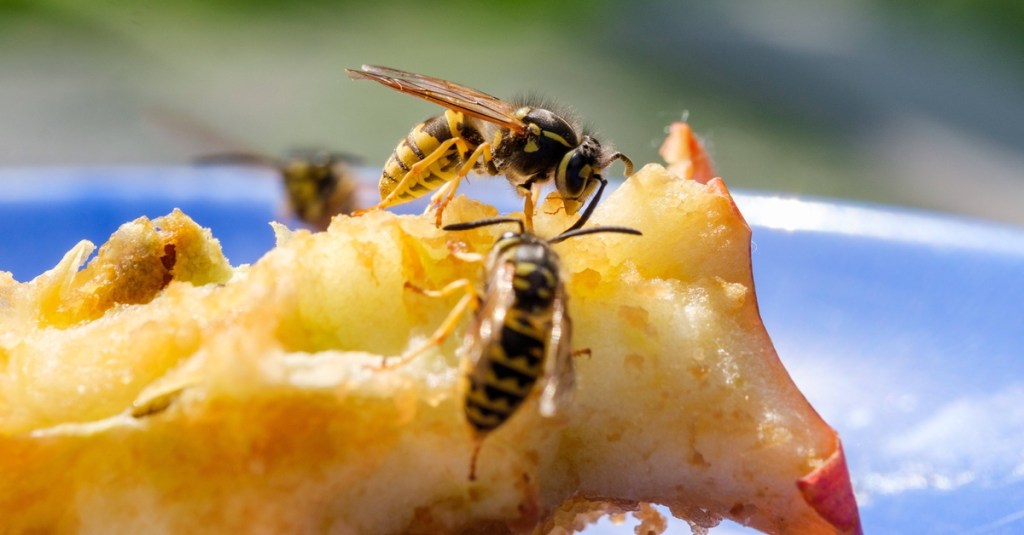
(318, 183)
(520, 339)
(527, 143)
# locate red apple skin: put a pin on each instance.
(829, 492)
(685, 154)
(828, 489)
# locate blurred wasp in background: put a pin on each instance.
(318, 183)
(521, 336)
(526, 142)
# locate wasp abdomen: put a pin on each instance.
(511, 369)
(534, 284)
(431, 145)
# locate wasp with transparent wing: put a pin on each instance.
(318, 183)
(528, 144)
(520, 339)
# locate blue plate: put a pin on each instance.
(904, 329)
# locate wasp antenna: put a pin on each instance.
(625, 161)
(347, 157)
(593, 230)
(485, 223)
(236, 158)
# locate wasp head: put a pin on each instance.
(579, 172)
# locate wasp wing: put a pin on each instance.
(559, 379)
(485, 333)
(448, 94)
(322, 156)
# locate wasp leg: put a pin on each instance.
(436, 202)
(413, 176)
(473, 458)
(528, 205)
(469, 301)
(445, 195)
(364, 211)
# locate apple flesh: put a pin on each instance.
(252, 399)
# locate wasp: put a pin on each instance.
(520, 338)
(318, 183)
(526, 142)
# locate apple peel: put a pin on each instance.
(827, 489)
(685, 154)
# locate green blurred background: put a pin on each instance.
(915, 103)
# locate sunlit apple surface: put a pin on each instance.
(904, 329)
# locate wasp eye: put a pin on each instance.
(574, 173)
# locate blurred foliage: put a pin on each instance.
(82, 80)
(999, 21)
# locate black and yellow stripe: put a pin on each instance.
(520, 340)
(526, 142)
(512, 365)
(420, 145)
(512, 370)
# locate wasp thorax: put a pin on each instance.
(534, 153)
(552, 126)
(536, 275)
